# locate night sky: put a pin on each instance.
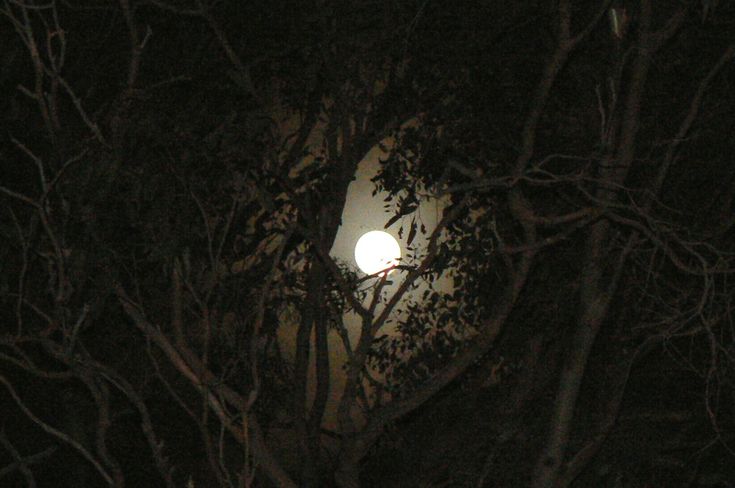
(183, 182)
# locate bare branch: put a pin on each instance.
(186, 363)
(19, 461)
(20, 197)
(56, 433)
(32, 459)
(691, 116)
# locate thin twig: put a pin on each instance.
(55, 432)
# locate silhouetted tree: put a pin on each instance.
(173, 178)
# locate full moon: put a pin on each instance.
(376, 251)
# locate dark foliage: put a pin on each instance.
(172, 178)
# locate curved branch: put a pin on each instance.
(186, 362)
(32, 459)
(55, 432)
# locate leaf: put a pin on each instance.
(412, 232)
(405, 210)
(392, 220)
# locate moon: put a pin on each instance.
(376, 251)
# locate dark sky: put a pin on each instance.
(174, 174)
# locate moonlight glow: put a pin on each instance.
(375, 251)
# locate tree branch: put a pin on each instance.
(56, 433)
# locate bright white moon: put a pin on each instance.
(376, 251)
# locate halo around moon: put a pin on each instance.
(375, 251)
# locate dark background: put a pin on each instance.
(157, 221)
